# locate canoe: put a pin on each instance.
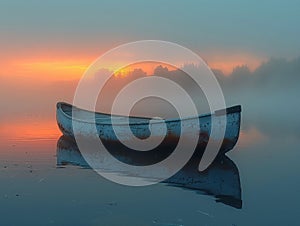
(140, 128)
(220, 180)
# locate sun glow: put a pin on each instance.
(123, 72)
(53, 69)
(66, 69)
(147, 67)
(70, 68)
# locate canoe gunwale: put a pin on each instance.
(230, 110)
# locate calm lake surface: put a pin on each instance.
(36, 191)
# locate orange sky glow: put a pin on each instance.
(73, 68)
(49, 69)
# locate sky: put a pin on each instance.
(47, 45)
(59, 39)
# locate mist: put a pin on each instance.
(268, 95)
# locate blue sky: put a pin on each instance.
(262, 28)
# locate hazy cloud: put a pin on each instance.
(269, 95)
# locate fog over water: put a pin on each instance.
(266, 155)
(268, 94)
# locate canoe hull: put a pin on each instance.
(141, 130)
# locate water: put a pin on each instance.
(36, 191)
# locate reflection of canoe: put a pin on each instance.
(140, 128)
(220, 179)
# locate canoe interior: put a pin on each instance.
(100, 118)
(104, 118)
